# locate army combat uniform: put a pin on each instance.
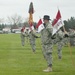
(22, 36)
(72, 38)
(60, 43)
(32, 37)
(27, 36)
(47, 45)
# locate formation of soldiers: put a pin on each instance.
(28, 35)
(48, 40)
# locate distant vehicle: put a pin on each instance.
(18, 32)
(6, 30)
(1, 32)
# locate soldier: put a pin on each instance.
(23, 36)
(27, 35)
(32, 37)
(46, 34)
(60, 43)
(66, 38)
(72, 33)
(72, 37)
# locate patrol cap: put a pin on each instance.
(46, 17)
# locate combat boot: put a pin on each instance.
(49, 69)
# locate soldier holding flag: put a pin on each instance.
(32, 34)
(57, 24)
(46, 35)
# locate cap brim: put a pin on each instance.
(46, 19)
(49, 19)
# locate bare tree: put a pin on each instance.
(26, 23)
(1, 20)
(15, 19)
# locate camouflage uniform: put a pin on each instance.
(26, 35)
(46, 34)
(66, 39)
(72, 38)
(32, 37)
(72, 34)
(22, 37)
(60, 43)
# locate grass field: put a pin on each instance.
(18, 60)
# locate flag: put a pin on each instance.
(39, 25)
(57, 23)
(23, 28)
(31, 11)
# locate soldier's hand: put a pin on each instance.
(38, 37)
(66, 35)
(52, 37)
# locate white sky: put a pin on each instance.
(41, 7)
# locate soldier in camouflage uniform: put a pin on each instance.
(72, 37)
(68, 37)
(59, 40)
(27, 35)
(32, 37)
(60, 43)
(23, 36)
(46, 34)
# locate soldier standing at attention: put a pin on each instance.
(47, 45)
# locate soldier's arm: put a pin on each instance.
(72, 35)
(54, 36)
(35, 35)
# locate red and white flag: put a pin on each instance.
(23, 28)
(40, 25)
(57, 23)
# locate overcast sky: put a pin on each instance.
(41, 7)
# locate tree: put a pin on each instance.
(1, 20)
(15, 20)
(1, 23)
(70, 23)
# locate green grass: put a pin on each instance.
(18, 60)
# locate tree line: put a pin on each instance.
(69, 24)
(17, 21)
